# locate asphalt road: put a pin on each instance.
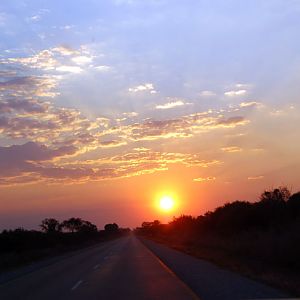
(119, 269)
(127, 269)
(211, 282)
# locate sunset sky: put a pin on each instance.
(108, 105)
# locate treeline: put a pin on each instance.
(20, 246)
(267, 231)
(276, 210)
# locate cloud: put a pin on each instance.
(102, 68)
(42, 121)
(149, 87)
(38, 16)
(17, 159)
(69, 69)
(112, 143)
(204, 179)
(130, 114)
(172, 104)
(58, 136)
(147, 156)
(82, 59)
(65, 50)
(67, 27)
(42, 60)
(235, 93)
(232, 149)
(255, 177)
(182, 127)
(23, 105)
(250, 104)
(232, 122)
(34, 18)
(53, 62)
(243, 85)
(60, 58)
(39, 86)
(35, 162)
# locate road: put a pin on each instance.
(126, 269)
(119, 269)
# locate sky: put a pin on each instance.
(106, 106)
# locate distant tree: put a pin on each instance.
(294, 205)
(151, 228)
(88, 227)
(281, 194)
(50, 225)
(72, 224)
(111, 228)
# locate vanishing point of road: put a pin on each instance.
(127, 268)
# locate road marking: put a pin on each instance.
(96, 266)
(76, 285)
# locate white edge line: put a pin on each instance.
(76, 285)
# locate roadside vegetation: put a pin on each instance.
(20, 246)
(261, 239)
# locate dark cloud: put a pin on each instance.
(23, 105)
(18, 159)
(37, 162)
(232, 121)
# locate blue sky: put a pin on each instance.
(182, 48)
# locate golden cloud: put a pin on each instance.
(204, 179)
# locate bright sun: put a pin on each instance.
(166, 203)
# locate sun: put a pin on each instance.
(166, 203)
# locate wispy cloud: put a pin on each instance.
(52, 141)
(103, 68)
(82, 59)
(232, 149)
(204, 179)
(147, 87)
(255, 177)
(60, 58)
(34, 162)
(69, 69)
(183, 127)
(65, 50)
(234, 93)
(172, 104)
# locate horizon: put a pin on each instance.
(166, 218)
(107, 108)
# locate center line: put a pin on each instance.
(76, 285)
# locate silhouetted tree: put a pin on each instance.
(294, 205)
(88, 227)
(111, 228)
(281, 194)
(72, 224)
(50, 225)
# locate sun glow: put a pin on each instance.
(166, 203)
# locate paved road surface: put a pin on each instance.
(126, 269)
(119, 269)
(211, 282)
